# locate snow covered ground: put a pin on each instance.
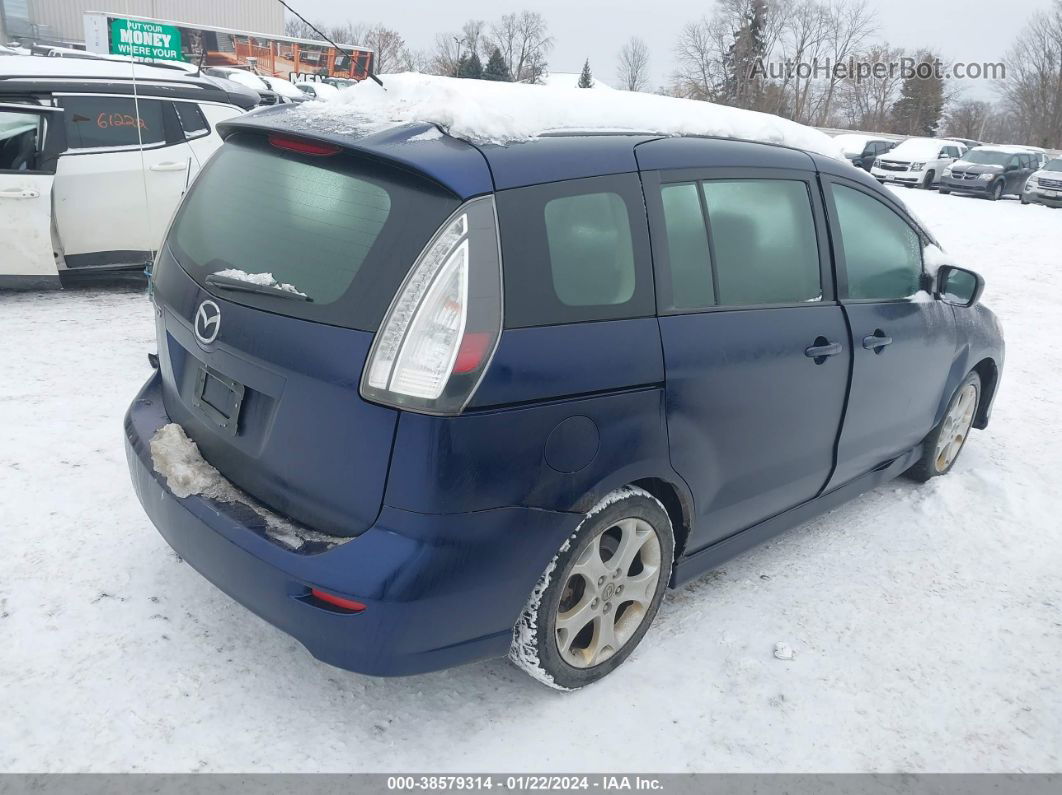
(925, 622)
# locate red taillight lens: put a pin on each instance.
(303, 146)
(338, 601)
(473, 348)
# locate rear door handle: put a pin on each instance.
(19, 193)
(169, 166)
(876, 341)
(822, 349)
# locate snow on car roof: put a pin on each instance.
(920, 148)
(17, 66)
(483, 111)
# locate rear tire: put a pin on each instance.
(940, 450)
(587, 614)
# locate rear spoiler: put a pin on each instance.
(452, 163)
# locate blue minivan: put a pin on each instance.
(421, 401)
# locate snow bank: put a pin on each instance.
(187, 473)
(262, 279)
(483, 111)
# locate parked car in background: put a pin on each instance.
(1041, 155)
(989, 171)
(969, 143)
(245, 77)
(589, 367)
(317, 89)
(285, 89)
(81, 156)
(1045, 185)
(862, 150)
(917, 162)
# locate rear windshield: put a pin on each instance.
(341, 231)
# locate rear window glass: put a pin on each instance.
(193, 122)
(590, 252)
(341, 232)
(93, 122)
(575, 251)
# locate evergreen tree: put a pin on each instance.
(496, 68)
(742, 86)
(470, 66)
(921, 102)
(586, 79)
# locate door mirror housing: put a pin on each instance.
(958, 286)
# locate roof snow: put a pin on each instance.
(484, 111)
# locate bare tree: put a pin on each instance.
(698, 55)
(633, 68)
(851, 22)
(967, 119)
(297, 29)
(388, 45)
(446, 57)
(1032, 90)
(524, 42)
(866, 103)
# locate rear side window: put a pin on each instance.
(882, 253)
(112, 122)
(193, 122)
(575, 251)
(342, 231)
(758, 247)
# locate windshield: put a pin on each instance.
(247, 79)
(283, 87)
(987, 157)
(1053, 165)
(338, 232)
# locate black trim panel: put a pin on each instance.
(122, 258)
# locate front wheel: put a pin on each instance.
(599, 594)
(927, 181)
(943, 191)
(996, 193)
(941, 448)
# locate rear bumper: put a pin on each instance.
(439, 590)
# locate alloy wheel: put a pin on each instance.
(608, 593)
(955, 428)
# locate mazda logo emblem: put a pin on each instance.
(207, 322)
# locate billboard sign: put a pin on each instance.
(151, 40)
(146, 39)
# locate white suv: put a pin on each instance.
(917, 161)
(91, 174)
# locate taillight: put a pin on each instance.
(438, 336)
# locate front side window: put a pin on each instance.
(112, 122)
(763, 246)
(575, 251)
(882, 253)
(19, 141)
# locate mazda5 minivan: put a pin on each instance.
(420, 401)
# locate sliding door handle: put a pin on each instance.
(822, 350)
(877, 341)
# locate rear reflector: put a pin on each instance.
(303, 146)
(338, 601)
(473, 349)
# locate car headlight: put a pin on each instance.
(986, 177)
(917, 166)
(947, 171)
(1032, 183)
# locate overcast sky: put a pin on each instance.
(976, 30)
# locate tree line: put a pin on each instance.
(746, 53)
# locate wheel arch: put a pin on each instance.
(988, 371)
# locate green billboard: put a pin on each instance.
(149, 40)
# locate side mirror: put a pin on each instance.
(958, 286)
